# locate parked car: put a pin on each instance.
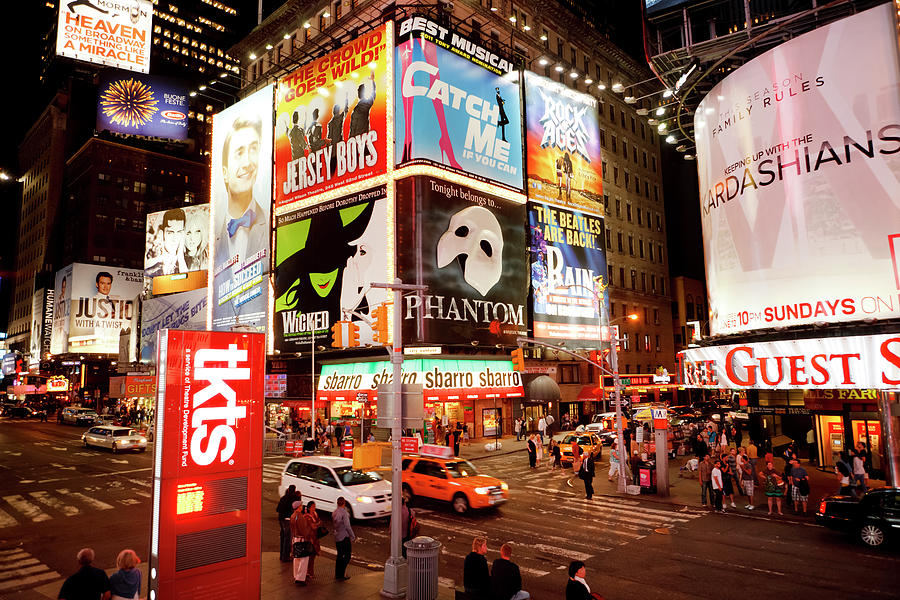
(79, 416)
(115, 438)
(324, 479)
(872, 519)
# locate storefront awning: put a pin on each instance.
(542, 389)
(590, 393)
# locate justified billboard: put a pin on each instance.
(176, 257)
(325, 258)
(565, 167)
(241, 199)
(115, 33)
(456, 104)
(145, 105)
(568, 275)
(184, 310)
(331, 120)
(468, 247)
(798, 155)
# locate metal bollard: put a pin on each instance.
(422, 567)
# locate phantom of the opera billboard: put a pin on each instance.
(325, 257)
(94, 305)
(115, 33)
(456, 104)
(468, 247)
(798, 155)
(241, 197)
(147, 105)
(184, 310)
(177, 254)
(565, 166)
(568, 275)
(330, 120)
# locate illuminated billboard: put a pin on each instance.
(568, 275)
(468, 247)
(456, 104)
(176, 256)
(565, 167)
(115, 33)
(205, 539)
(42, 305)
(331, 120)
(799, 168)
(184, 310)
(325, 258)
(135, 104)
(241, 200)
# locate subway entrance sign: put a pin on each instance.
(207, 475)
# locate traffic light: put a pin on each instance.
(352, 334)
(518, 359)
(380, 324)
(337, 337)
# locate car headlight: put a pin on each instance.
(365, 499)
(143, 440)
(503, 486)
(482, 490)
(126, 441)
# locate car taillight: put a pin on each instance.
(822, 506)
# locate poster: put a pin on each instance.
(177, 245)
(115, 33)
(241, 199)
(568, 275)
(135, 104)
(456, 104)
(565, 167)
(468, 247)
(59, 337)
(184, 310)
(325, 257)
(330, 115)
(798, 157)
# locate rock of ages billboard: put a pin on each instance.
(568, 275)
(325, 257)
(565, 167)
(468, 247)
(330, 120)
(456, 104)
(798, 157)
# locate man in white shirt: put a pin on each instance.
(716, 478)
(542, 428)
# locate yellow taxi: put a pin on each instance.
(435, 473)
(587, 442)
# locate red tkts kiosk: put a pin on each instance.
(207, 475)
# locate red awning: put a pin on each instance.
(590, 393)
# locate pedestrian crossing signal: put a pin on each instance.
(518, 359)
(380, 324)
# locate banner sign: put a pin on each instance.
(41, 324)
(185, 310)
(866, 361)
(568, 275)
(325, 258)
(145, 105)
(565, 167)
(468, 247)
(177, 244)
(787, 146)
(205, 538)
(331, 120)
(241, 198)
(115, 33)
(456, 104)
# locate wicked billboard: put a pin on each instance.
(325, 257)
(468, 247)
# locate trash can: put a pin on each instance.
(422, 568)
(347, 447)
(647, 477)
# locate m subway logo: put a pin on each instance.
(214, 408)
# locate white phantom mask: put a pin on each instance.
(474, 235)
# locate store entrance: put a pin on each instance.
(533, 414)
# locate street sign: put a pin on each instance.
(413, 410)
(409, 445)
(660, 418)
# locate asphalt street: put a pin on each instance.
(56, 497)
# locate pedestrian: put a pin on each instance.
(736, 434)
(705, 477)
(316, 530)
(613, 461)
(284, 510)
(727, 479)
(476, 576)
(539, 449)
(301, 539)
(88, 582)
(456, 438)
(577, 455)
(799, 486)
(532, 452)
(752, 452)
(844, 473)
(700, 447)
(556, 454)
(577, 588)
(542, 427)
(712, 436)
(634, 464)
(748, 482)
(716, 480)
(466, 434)
(774, 487)
(811, 445)
(517, 427)
(860, 477)
(125, 584)
(506, 579)
(409, 526)
(731, 459)
(343, 538)
(586, 474)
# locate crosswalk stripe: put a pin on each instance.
(619, 519)
(522, 569)
(9, 551)
(24, 562)
(20, 572)
(28, 509)
(638, 511)
(16, 555)
(143, 494)
(141, 483)
(92, 502)
(6, 520)
(29, 581)
(54, 503)
(567, 552)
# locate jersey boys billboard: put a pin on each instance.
(468, 247)
(325, 257)
(456, 104)
(564, 162)
(241, 197)
(115, 33)
(146, 105)
(799, 159)
(330, 120)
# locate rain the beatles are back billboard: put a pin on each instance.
(147, 105)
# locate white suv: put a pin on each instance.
(323, 479)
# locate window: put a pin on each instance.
(644, 153)
(653, 161)
(627, 206)
(619, 240)
(658, 223)
(625, 148)
(644, 289)
(615, 142)
(662, 286)
(639, 217)
(633, 125)
(627, 180)
(622, 114)
(337, 11)
(689, 307)
(546, 36)
(631, 245)
(634, 154)
(633, 279)
(568, 373)
(652, 276)
(622, 276)
(612, 114)
(608, 239)
(650, 251)
(643, 136)
(641, 248)
(656, 322)
(603, 138)
(616, 175)
(649, 225)
(323, 22)
(618, 208)
(647, 345)
(609, 269)
(659, 253)
(656, 193)
(606, 202)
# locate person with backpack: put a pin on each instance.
(843, 471)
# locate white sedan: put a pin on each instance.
(115, 438)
